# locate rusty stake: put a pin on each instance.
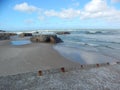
(63, 69)
(40, 73)
(81, 66)
(97, 65)
(108, 63)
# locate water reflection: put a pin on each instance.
(20, 42)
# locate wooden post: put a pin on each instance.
(81, 66)
(63, 69)
(108, 63)
(40, 73)
(97, 65)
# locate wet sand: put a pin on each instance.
(33, 57)
(27, 58)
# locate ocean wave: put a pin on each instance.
(115, 39)
(75, 44)
(115, 42)
(109, 41)
(81, 43)
(95, 32)
(91, 44)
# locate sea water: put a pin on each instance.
(17, 41)
(91, 46)
(20, 42)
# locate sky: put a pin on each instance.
(16, 15)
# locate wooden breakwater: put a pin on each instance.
(61, 70)
(71, 68)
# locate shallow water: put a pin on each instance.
(20, 42)
(91, 46)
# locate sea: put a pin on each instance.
(90, 46)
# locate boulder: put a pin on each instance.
(61, 33)
(6, 36)
(25, 34)
(2, 31)
(46, 39)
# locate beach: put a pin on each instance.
(102, 78)
(19, 66)
(31, 57)
(60, 45)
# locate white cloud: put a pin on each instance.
(100, 9)
(64, 13)
(93, 9)
(24, 7)
(96, 6)
(114, 1)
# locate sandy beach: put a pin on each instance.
(19, 67)
(102, 78)
(27, 58)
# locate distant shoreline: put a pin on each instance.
(62, 29)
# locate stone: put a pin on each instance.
(2, 31)
(61, 33)
(46, 39)
(25, 34)
(6, 36)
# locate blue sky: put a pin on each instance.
(59, 14)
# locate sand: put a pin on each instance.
(19, 67)
(27, 58)
(102, 78)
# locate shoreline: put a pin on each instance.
(22, 72)
(31, 57)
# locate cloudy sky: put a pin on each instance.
(59, 14)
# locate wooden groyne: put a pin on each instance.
(63, 70)
(71, 68)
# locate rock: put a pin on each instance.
(25, 34)
(2, 31)
(60, 33)
(46, 39)
(6, 36)
(36, 32)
